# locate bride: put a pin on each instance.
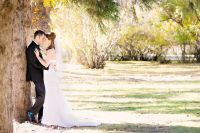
(57, 110)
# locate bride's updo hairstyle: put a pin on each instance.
(51, 36)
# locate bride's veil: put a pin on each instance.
(58, 53)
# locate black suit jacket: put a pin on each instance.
(34, 67)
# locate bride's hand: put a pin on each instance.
(37, 53)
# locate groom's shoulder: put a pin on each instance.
(31, 45)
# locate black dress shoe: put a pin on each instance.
(39, 121)
(31, 117)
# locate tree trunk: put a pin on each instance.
(197, 54)
(183, 53)
(41, 16)
(7, 8)
(21, 35)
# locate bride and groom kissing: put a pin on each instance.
(50, 107)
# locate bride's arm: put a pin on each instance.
(42, 61)
(51, 54)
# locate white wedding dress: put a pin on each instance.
(57, 110)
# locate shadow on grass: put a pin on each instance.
(169, 107)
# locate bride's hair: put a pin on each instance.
(51, 36)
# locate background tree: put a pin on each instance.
(183, 39)
(148, 39)
(185, 13)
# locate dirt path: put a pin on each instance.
(121, 122)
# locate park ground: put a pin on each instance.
(138, 97)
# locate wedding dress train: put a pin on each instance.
(57, 110)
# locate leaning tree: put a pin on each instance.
(7, 9)
(15, 22)
(21, 37)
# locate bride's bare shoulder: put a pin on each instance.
(51, 51)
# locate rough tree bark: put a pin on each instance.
(7, 8)
(21, 35)
(41, 16)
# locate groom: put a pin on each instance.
(35, 74)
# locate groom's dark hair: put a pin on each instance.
(39, 33)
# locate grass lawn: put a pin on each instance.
(136, 88)
(139, 87)
(144, 97)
